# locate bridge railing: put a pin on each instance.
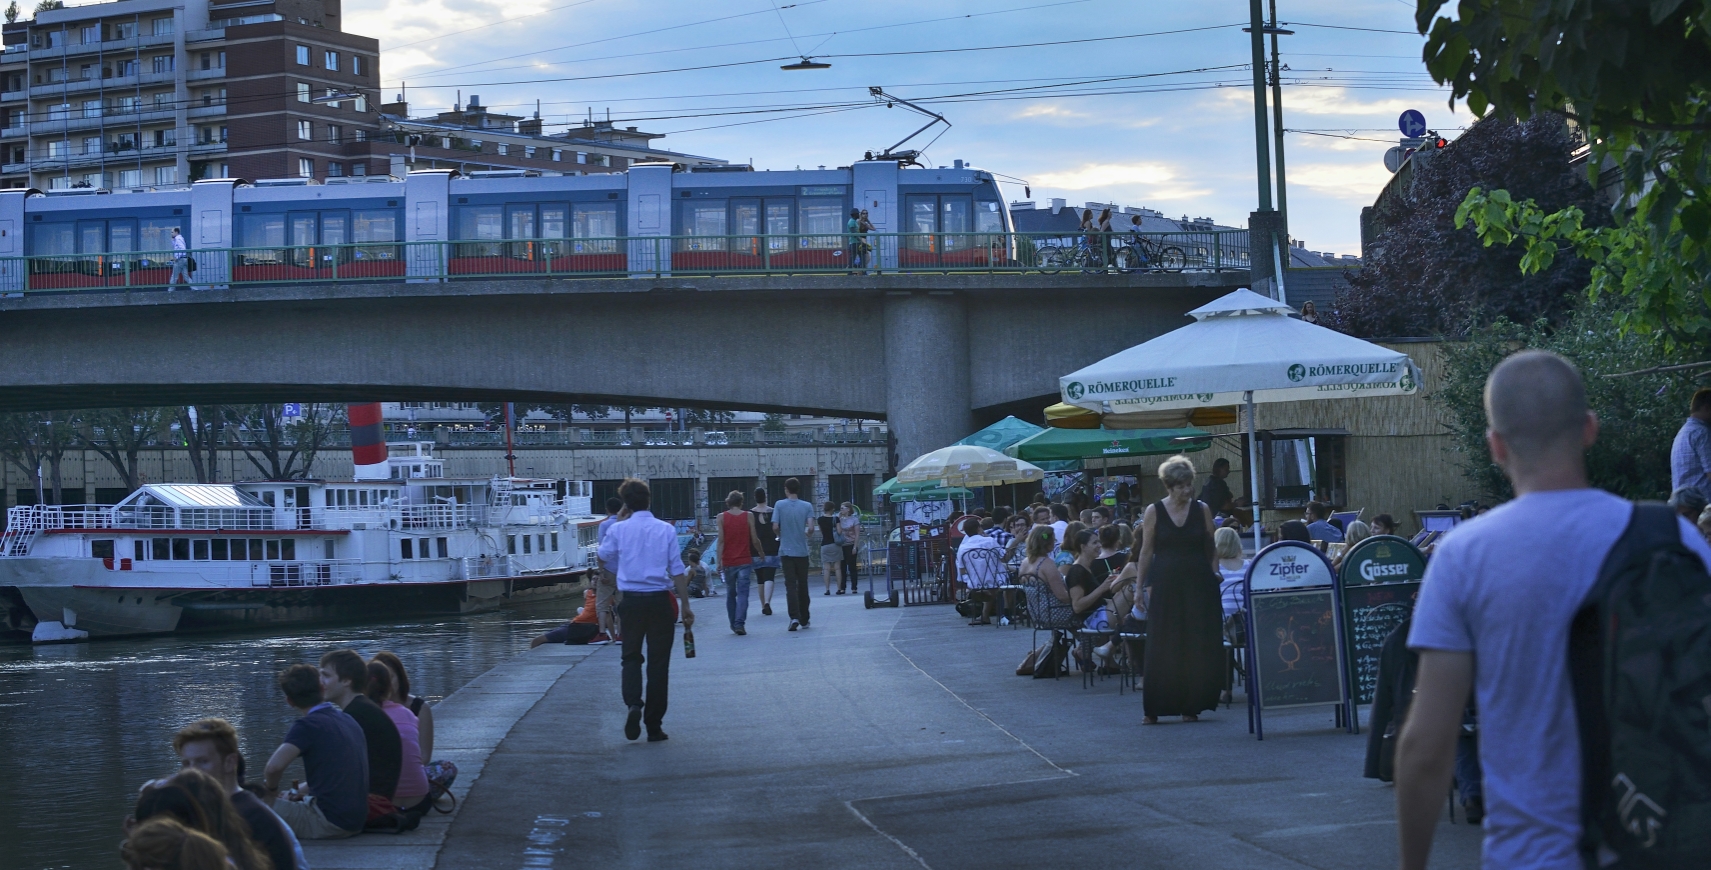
(636, 256)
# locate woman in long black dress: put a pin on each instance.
(1179, 581)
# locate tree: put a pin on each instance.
(1637, 77)
(32, 440)
(1636, 413)
(12, 13)
(203, 427)
(1430, 276)
(49, 5)
(772, 423)
(120, 434)
(282, 448)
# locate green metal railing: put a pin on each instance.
(643, 256)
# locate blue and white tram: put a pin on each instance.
(652, 218)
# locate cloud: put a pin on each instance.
(1048, 111)
(1146, 181)
(1358, 181)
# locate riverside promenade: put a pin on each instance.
(886, 739)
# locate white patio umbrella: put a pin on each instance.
(969, 466)
(1243, 347)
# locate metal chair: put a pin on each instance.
(983, 571)
(1046, 613)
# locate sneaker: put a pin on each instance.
(794, 625)
(840, 591)
(739, 630)
(600, 640)
(766, 610)
(655, 735)
(1474, 810)
(633, 724)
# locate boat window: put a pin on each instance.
(555, 542)
(102, 549)
(288, 549)
(181, 549)
(219, 550)
(160, 549)
(327, 549)
(511, 545)
(255, 549)
(526, 549)
(822, 222)
(440, 545)
(137, 549)
(273, 550)
(406, 546)
(540, 543)
(199, 550)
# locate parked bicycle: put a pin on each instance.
(1057, 258)
(1138, 253)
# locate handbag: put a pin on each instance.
(190, 263)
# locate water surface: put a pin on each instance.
(82, 726)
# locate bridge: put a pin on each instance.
(930, 353)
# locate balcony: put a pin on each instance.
(207, 149)
(15, 168)
(200, 75)
(217, 110)
(18, 132)
(14, 96)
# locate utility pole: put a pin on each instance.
(1277, 126)
(1262, 157)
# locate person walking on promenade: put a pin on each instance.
(1502, 590)
(180, 261)
(849, 527)
(738, 541)
(831, 553)
(853, 240)
(606, 594)
(1177, 578)
(790, 521)
(1690, 455)
(649, 570)
(766, 561)
(866, 227)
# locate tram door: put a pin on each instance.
(96, 238)
(753, 218)
(938, 223)
(520, 228)
(301, 232)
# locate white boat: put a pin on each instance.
(187, 556)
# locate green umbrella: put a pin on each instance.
(1106, 444)
(929, 490)
(1002, 434)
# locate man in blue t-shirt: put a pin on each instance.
(333, 803)
(1500, 593)
(791, 517)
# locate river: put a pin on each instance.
(83, 725)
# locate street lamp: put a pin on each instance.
(806, 63)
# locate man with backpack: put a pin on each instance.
(1494, 617)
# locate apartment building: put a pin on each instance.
(145, 93)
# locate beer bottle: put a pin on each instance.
(688, 644)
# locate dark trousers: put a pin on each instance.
(796, 586)
(649, 617)
(850, 570)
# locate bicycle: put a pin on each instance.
(1138, 253)
(1054, 258)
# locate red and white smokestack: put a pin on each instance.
(368, 445)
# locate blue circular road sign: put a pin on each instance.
(1412, 123)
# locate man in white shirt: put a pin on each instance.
(650, 568)
(180, 261)
(980, 566)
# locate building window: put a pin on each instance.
(335, 133)
(128, 105)
(503, 148)
(582, 156)
(125, 68)
(305, 130)
(91, 108)
(528, 150)
(90, 34)
(86, 72)
(305, 168)
(334, 169)
(92, 144)
(359, 135)
(361, 104)
(165, 138)
(130, 178)
(124, 142)
(359, 169)
(162, 26)
(302, 92)
(124, 30)
(164, 63)
(59, 182)
(359, 65)
(60, 112)
(558, 155)
(57, 148)
(58, 74)
(166, 175)
(331, 60)
(302, 55)
(163, 100)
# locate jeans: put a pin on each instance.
(649, 617)
(180, 269)
(1469, 778)
(737, 581)
(796, 586)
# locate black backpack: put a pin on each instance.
(1640, 664)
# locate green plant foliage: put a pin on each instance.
(1638, 415)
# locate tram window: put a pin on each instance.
(406, 548)
(374, 226)
(199, 550)
(922, 221)
(704, 218)
(181, 549)
(155, 234)
(987, 217)
(955, 216)
(121, 236)
(288, 549)
(50, 240)
(594, 221)
(259, 231)
(102, 549)
(821, 222)
(745, 218)
(220, 552)
(440, 546)
(480, 224)
(334, 227)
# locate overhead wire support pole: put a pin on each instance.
(1277, 122)
(880, 93)
(1262, 156)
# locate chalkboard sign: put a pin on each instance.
(1295, 660)
(1377, 585)
(1294, 655)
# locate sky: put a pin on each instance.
(1145, 104)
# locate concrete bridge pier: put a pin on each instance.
(927, 392)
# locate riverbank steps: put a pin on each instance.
(468, 725)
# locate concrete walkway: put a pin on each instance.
(902, 739)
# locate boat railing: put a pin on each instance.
(487, 567)
(100, 516)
